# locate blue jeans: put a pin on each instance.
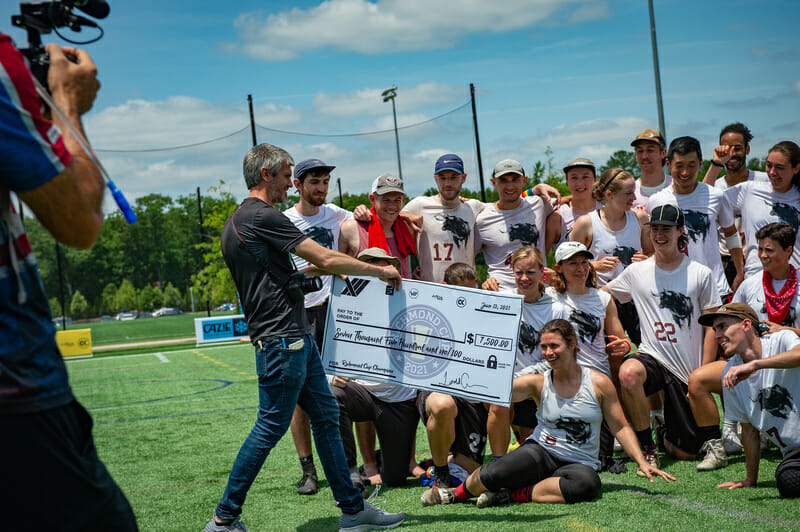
(291, 374)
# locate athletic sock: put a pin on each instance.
(645, 437)
(441, 473)
(462, 493)
(522, 494)
(711, 432)
(729, 424)
(307, 463)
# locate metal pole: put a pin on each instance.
(661, 127)
(397, 141)
(252, 120)
(341, 201)
(202, 239)
(477, 140)
(61, 289)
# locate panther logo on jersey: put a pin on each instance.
(528, 338)
(588, 325)
(321, 235)
(578, 431)
(528, 234)
(624, 254)
(457, 227)
(776, 400)
(787, 213)
(678, 304)
(697, 224)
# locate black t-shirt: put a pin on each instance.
(256, 242)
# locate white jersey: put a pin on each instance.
(529, 353)
(751, 291)
(722, 185)
(668, 304)
(768, 399)
(447, 237)
(322, 228)
(502, 232)
(643, 193)
(760, 205)
(705, 212)
(568, 220)
(622, 244)
(587, 313)
(569, 428)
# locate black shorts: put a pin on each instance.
(530, 463)
(679, 424)
(470, 426)
(316, 322)
(525, 414)
(52, 477)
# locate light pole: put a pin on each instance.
(391, 94)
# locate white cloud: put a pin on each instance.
(394, 25)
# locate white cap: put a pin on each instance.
(569, 249)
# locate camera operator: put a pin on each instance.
(52, 476)
(256, 243)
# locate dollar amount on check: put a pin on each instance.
(441, 338)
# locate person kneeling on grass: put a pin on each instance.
(559, 462)
(760, 388)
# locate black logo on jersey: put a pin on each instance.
(457, 227)
(528, 338)
(791, 316)
(577, 431)
(677, 303)
(776, 400)
(587, 324)
(354, 287)
(321, 235)
(624, 254)
(697, 224)
(528, 234)
(787, 214)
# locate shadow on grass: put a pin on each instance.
(503, 520)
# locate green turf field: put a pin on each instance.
(168, 427)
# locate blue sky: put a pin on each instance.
(574, 75)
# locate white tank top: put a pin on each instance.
(623, 243)
(570, 428)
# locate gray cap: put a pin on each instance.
(569, 249)
(386, 183)
(580, 162)
(370, 254)
(508, 166)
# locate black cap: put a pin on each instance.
(666, 215)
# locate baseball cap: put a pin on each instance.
(743, 311)
(386, 183)
(652, 135)
(570, 249)
(370, 254)
(581, 162)
(508, 166)
(449, 161)
(310, 164)
(666, 215)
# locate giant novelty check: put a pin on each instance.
(436, 337)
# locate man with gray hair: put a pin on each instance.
(256, 244)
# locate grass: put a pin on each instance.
(143, 329)
(168, 427)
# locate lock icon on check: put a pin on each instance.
(491, 363)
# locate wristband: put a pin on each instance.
(629, 346)
(715, 163)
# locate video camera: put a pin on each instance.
(299, 285)
(48, 15)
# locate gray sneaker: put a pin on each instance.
(493, 498)
(731, 440)
(234, 526)
(435, 496)
(715, 457)
(370, 518)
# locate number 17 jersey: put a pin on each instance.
(668, 304)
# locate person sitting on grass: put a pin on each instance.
(760, 388)
(559, 462)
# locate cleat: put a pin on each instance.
(370, 518)
(308, 485)
(731, 440)
(650, 453)
(234, 526)
(715, 457)
(435, 496)
(493, 498)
